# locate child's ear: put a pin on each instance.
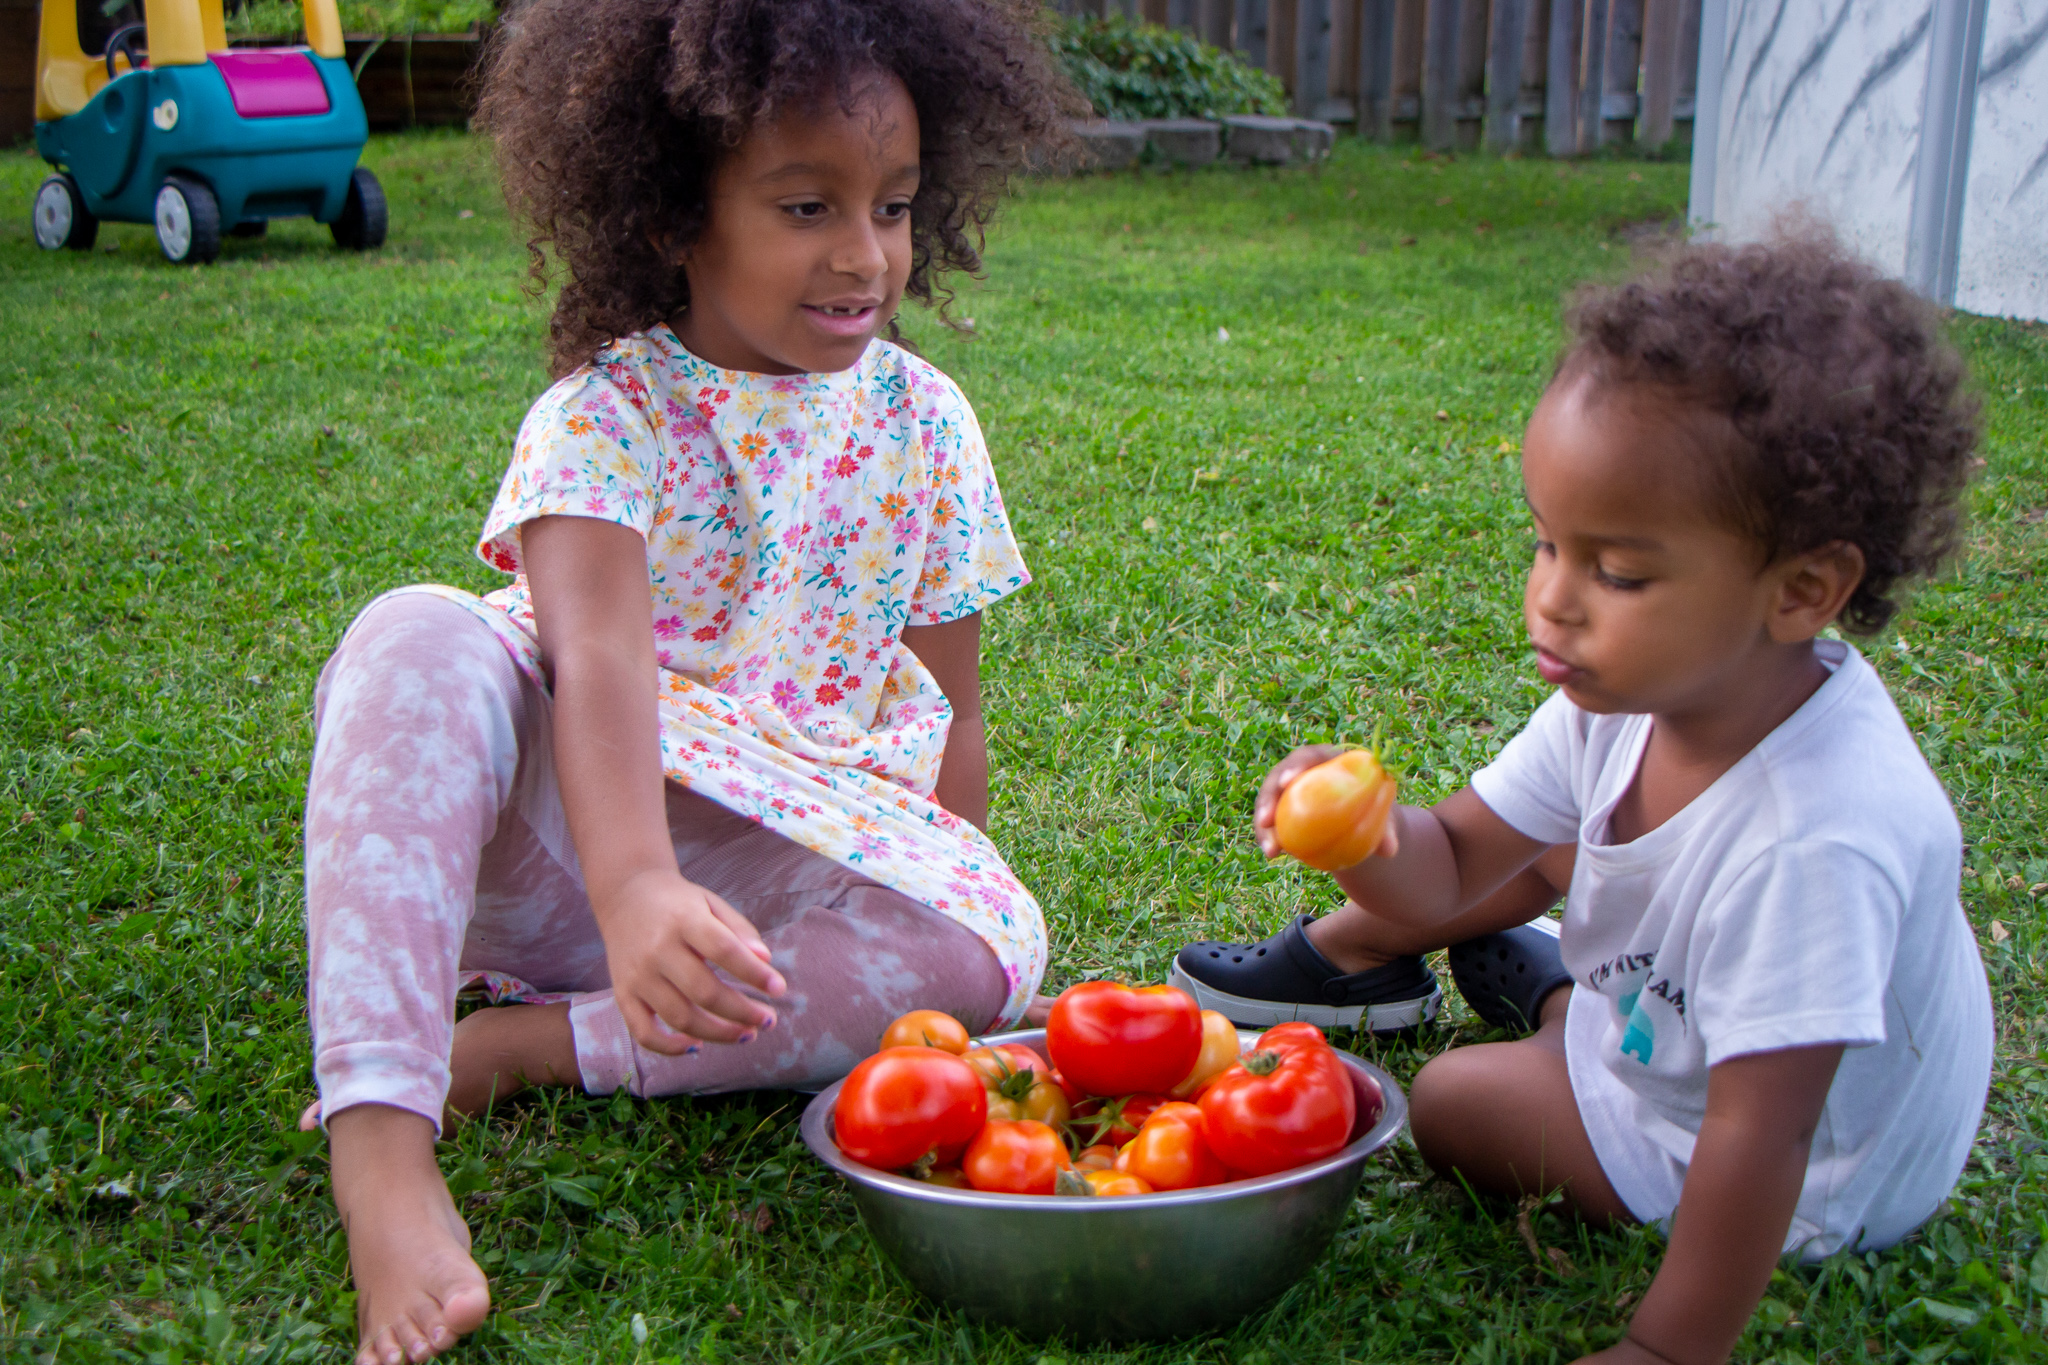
(1813, 587)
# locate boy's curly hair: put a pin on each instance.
(610, 116)
(1848, 405)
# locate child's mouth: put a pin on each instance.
(1555, 671)
(843, 319)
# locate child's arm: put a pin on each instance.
(1436, 862)
(662, 933)
(951, 653)
(1740, 1191)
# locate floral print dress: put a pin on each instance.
(794, 525)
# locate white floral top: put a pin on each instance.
(794, 525)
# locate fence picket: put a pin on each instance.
(1504, 75)
(1440, 75)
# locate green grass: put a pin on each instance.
(1239, 545)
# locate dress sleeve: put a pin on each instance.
(971, 560)
(1533, 782)
(586, 449)
(1796, 952)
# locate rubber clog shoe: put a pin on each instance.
(1285, 978)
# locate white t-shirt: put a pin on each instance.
(1807, 897)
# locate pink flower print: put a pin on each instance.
(668, 627)
(771, 469)
(595, 504)
(785, 436)
(906, 531)
(834, 512)
(786, 695)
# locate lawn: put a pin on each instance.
(1257, 433)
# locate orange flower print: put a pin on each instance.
(579, 425)
(895, 505)
(752, 447)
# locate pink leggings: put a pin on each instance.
(436, 850)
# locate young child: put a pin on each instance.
(702, 786)
(1768, 1029)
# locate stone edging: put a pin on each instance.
(1242, 139)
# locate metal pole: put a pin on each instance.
(1706, 117)
(1947, 115)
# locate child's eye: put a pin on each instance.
(894, 213)
(806, 211)
(1606, 579)
(1544, 547)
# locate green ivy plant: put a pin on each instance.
(1139, 71)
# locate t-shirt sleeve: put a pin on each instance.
(971, 560)
(1531, 783)
(586, 449)
(1796, 952)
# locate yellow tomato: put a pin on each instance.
(1334, 815)
(926, 1028)
(1219, 1051)
(1116, 1182)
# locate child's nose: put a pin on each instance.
(859, 253)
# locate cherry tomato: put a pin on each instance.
(1112, 1183)
(1113, 1122)
(926, 1028)
(1280, 1107)
(1111, 1039)
(1334, 815)
(1016, 1157)
(1219, 1050)
(1099, 1157)
(907, 1103)
(1019, 1084)
(1171, 1152)
(1074, 1093)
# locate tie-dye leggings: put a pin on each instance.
(437, 856)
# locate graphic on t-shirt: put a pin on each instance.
(1639, 1038)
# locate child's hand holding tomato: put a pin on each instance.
(1358, 786)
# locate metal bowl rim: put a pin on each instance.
(816, 1127)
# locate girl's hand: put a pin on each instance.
(1280, 778)
(662, 935)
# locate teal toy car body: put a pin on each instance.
(161, 122)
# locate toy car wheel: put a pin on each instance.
(364, 217)
(61, 217)
(187, 221)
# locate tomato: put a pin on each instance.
(1112, 1183)
(1016, 1157)
(1292, 1034)
(1219, 1050)
(926, 1028)
(1099, 1157)
(1280, 1107)
(1113, 1122)
(1074, 1093)
(1019, 1084)
(1171, 1152)
(1111, 1039)
(907, 1103)
(1334, 815)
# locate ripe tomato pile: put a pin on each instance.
(1144, 1092)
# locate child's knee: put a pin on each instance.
(1449, 1095)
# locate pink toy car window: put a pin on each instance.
(272, 84)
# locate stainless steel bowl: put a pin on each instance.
(1155, 1265)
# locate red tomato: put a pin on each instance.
(1171, 1152)
(1116, 1121)
(1074, 1093)
(1019, 1156)
(1280, 1107)
(905, 1103)
(1294, 1034)
(1111, 1039)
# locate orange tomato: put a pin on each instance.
(1110, 1183)
(1021, 1156)
(1020, 1084)
(926, 1028)
(1219, 1050)
(1334, 815)
(1171, 1152)
(1099, 1157)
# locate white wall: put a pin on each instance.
(2003, 269)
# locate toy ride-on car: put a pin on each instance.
(149, 117)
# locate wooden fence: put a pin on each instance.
(1560, 76)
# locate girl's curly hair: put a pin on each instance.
(610, 116)
(1848, 407)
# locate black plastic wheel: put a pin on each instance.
(250, 227)
(364, 218)
(187, 221)
(60, 216)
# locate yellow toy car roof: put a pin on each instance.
(181, 33)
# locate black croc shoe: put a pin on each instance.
(1505, 976)
(1285, 978)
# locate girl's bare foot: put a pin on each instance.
(500, 1051)
(417, 1290)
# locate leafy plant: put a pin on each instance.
(1139, 71)
(386, 18)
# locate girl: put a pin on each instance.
(1768, 1029)
(703, 785)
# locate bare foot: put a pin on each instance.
(500, 1051)
(417, 1290)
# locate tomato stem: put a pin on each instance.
(1261, 1063)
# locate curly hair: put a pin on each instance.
(1850, 415)
(610, 117)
